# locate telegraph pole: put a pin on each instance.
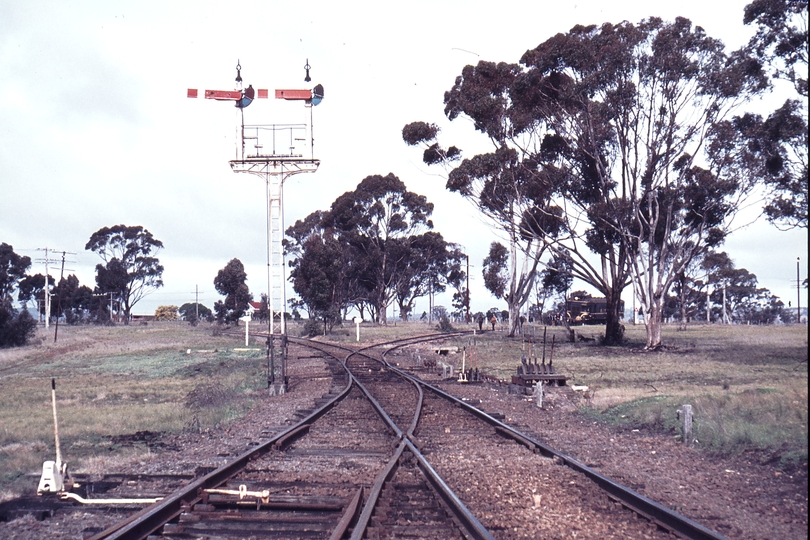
(59, 298)
(798, 293)
(468, 289)
(47, 292)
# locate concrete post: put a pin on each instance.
(538, 394)
(688, 438)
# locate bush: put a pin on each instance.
(15, 329)
(312, 328)
(444, 325)
(166, 313)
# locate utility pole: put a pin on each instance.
(59, 298)
(798, 294)
(47, 291)
(468, 290)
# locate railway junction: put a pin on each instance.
(358, 448)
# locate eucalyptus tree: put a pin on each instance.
(780, 140)
(374, 220)
(628, 131)
(646, 110)
(131, 269)
(521, 195)
(231, 282)
(31, 288)
(16, 328)
(12, 269)
(430, 265)
(503, 184)
(321, 269)
(372, 247)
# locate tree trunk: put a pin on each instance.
(652, 319)
(683, 302)
(614, 331)
(514, 316)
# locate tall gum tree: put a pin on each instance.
(131, 269)
(374, 220)
(527, 199)
(231, 282)
(649, 107)
(780, 44)
(623, 131)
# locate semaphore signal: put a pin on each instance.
(271, 152)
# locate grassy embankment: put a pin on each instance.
(748, 386)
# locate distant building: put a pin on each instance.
(254, 310)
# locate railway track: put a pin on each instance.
(385, 455)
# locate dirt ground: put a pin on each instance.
(739, 497)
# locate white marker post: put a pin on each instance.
(357, 322)
(246, 318)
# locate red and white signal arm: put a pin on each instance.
(226, 95)
(313, 96)
(294, 94)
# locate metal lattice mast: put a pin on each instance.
(277, 298)
(274, 165)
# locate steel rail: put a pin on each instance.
(371, 502)
(654, 511)
(150, 519)
(467, 519)
(147, 521)
(460, 510)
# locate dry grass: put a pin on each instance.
(114, 381)
(748, 384)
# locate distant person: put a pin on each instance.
(493, 320)
(480, 322)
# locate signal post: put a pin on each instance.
(273, 152)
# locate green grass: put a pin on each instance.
(117, 381)
(747, 384)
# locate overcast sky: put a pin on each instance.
(96, 128)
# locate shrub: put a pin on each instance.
(312, 328)
(444, 325)
(15, 328)
(166, 313)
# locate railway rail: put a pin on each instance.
(385, 454)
